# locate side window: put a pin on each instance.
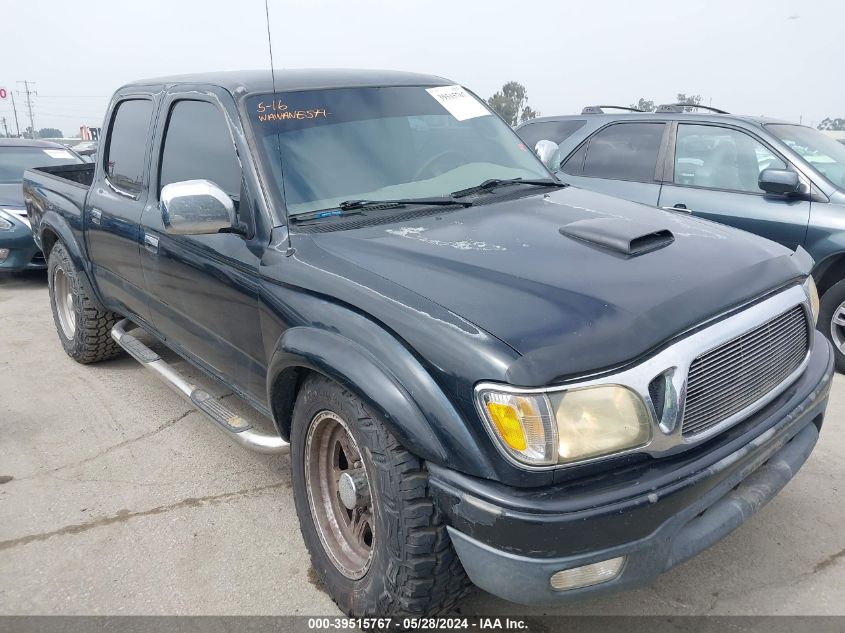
(197, 145)
(624, 151)
(721, 158)
(574, 165)
(557, 131)
(126, 151)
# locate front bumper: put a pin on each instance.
(23, 253)
(656, 513)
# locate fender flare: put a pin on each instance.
(53, 222)
(405, 395)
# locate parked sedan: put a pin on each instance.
(17, 248)
(780, 180)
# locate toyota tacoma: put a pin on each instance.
(481, 374)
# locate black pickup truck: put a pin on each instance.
(480, 373)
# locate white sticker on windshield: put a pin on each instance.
(58, 153)
(460, 104)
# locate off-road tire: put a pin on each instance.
(91, 341)
(830, 301)
(414, 569)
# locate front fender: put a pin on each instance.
(412, 404)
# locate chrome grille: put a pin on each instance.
(729, 378)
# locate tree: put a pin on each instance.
(50, 132)
(834, 125)
(644, 105)
(689, 101)
(511, 103)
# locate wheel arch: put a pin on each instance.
(829, 271)
(53, 229)
(403, 394)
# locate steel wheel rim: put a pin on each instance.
(837, 327)
(347, 536)
(63, 295)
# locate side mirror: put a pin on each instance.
(779, 181)
(549, 153)
(196, 207)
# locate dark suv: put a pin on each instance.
(780, 180)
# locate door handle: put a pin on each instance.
(96, 215)
(680, 207)
(151, 244)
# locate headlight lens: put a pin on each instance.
(598, 421)
(813, 296)
(5, 222)
(566, 426)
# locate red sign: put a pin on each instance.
(3, 93)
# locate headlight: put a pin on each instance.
(20, 214)
(522, 424)
(5, 225)
(566, 426)
(813, 296)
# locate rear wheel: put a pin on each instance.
(83, 329)
(377, 542)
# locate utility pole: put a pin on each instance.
(15, 110)
(29, 94)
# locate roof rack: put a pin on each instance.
(597, 109)
(681, 107)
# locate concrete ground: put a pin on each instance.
(118, 498)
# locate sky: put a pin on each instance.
(779, 58)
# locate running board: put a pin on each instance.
(236, 427)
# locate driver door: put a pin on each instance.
(716, 169)
(203, 288)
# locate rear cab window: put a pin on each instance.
(621, 151)
(126, 151)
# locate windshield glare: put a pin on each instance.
(822, 152)
(15, 160)
(382, 143)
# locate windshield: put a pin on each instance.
(382, 144)
(15, 160)
(822, 152)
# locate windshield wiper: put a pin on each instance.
(356, 207)
(348, 205)
(319, 215)
(495, 183)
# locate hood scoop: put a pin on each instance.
(625, 237)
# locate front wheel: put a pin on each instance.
(84, 330)
(377, 542)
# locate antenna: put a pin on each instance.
(270, 44)
(278, 141)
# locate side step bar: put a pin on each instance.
(236, 427)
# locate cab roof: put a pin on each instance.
(259, 81)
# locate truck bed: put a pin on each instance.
(79, 174)
(62, 189)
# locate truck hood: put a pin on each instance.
(566, 305)
(11, 195)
